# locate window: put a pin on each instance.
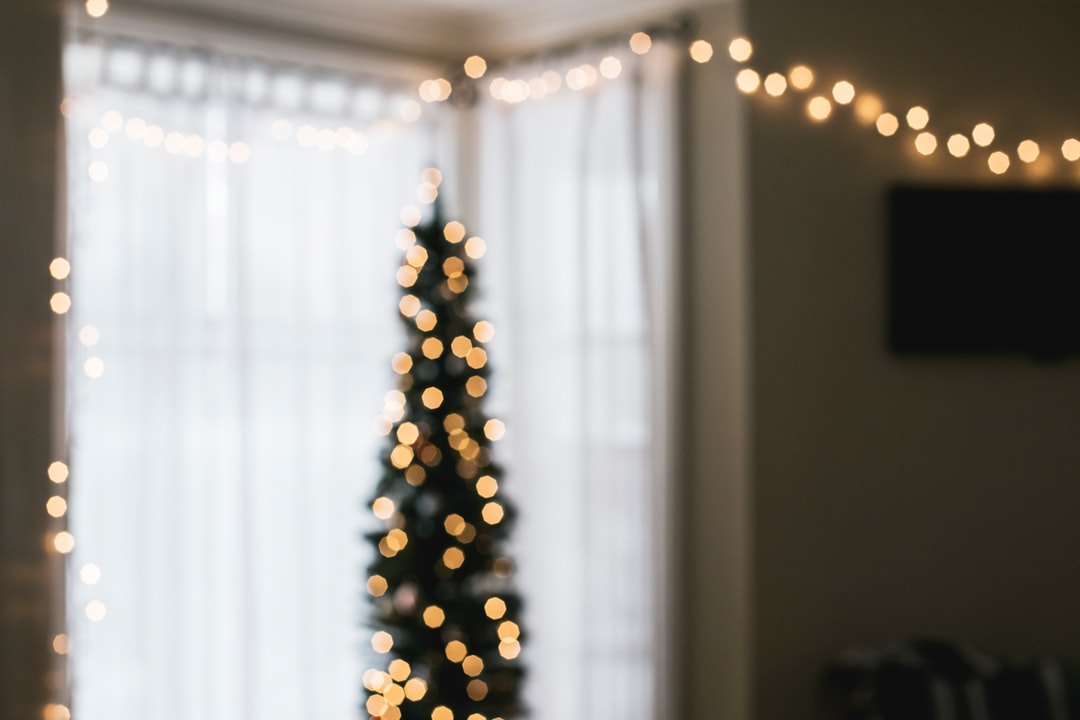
(233, 319)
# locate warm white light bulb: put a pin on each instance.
(740, 49)
(775, 84)
(843, 92)
(819, 108)
(701, 51)
(917, 117)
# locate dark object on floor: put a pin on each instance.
(936, 680)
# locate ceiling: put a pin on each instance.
(445, 29)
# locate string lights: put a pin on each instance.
(61, 540)
(869, 109)
(194, 146)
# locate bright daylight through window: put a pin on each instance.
(234, 314)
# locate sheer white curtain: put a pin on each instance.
(235, 309)
(578, 196)
(232, 232)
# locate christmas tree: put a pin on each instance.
(445, 612)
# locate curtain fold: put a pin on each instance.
(578, 194)
(232, 233)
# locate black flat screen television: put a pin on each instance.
(984, 270)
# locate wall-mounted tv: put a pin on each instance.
(984, 270)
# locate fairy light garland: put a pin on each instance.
(869, 109)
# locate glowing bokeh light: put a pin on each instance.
(801, 77)
(887, 124)
(640, 43)
(57, 472)
(56, 711)
(494, 429)
(97, 8)
(454, 231)
(486, 486)
(382, 642)
(434, 616)
(1070, 149)
(98, 171)
(958, 145)
(239, 153)
(1027, 151)
(475, 247)
(477, 689)
(472, 665)
(983, 134)
(59, 268)
(98, 138)
(475, 67)
(410, 111)
(94, 367)
(998, 162)
(432, 348)
(60, 303)
(432, 398)
(917, 117)
(843, 92)
(95, 611)
(416, 256)
(476, 386)
(376, 585)
(402, 363)
(775, 84)
(454, 524)
(925, 143)
(819, 108)
(456, 651)
(868, 108)
(747, 80)
(701, 51)
(495, 608)
(415, 689)
(492, 513)
(376, 706)
(408, 433)
(426, 320)
(409, 305)
(56, 506)
(610, 67)
(740, 49)
(383, 508)
(453, 557)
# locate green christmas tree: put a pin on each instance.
(445, 611)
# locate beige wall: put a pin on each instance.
(714, 591)
(29, 102)
(896, 496)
